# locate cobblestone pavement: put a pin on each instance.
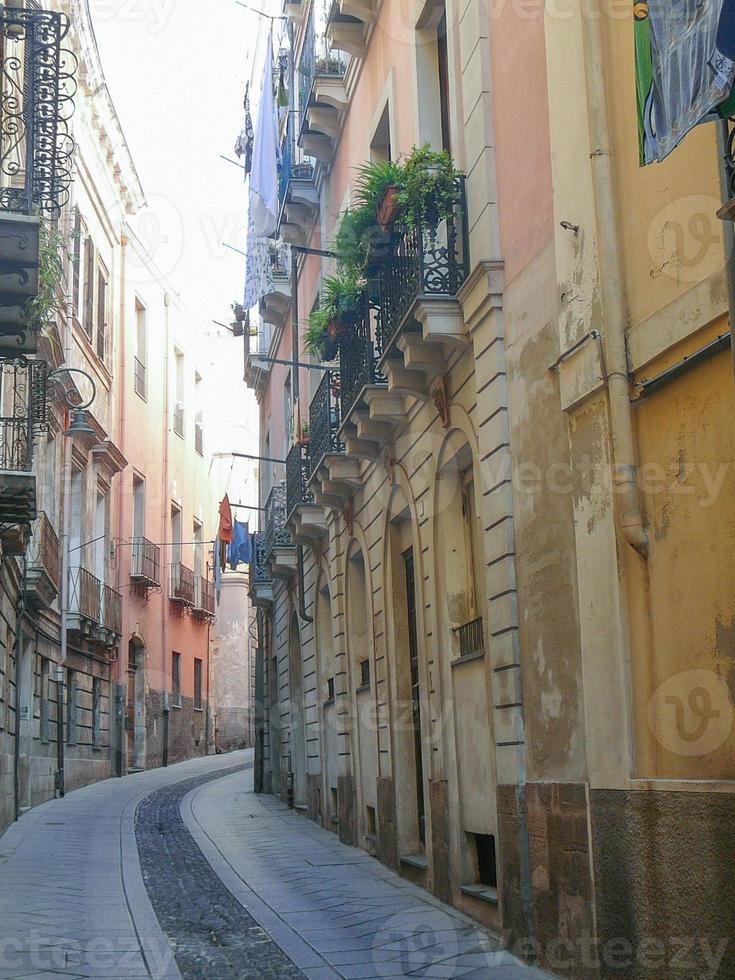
(72, 898)
(219, 883)
(211, 933)
(334, 909)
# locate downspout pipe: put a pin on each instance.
(122, 443)
(165, 519)
(612, 291)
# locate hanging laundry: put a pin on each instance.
(682, 74)
(244, 142)
(240, 549)
(264, 175)
(226, 530)
(218, 570)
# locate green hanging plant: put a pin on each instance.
(428, 190)
(48, 303)
(341, 297)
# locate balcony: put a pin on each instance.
(112, 612)
(43, 576)
(36, 148)
(297, 195)
(204, 602)
(420, 313)
(145, 567)
(181, 585)
(349, 26)
(95, 610)
(322, 96)
(278, 545)
(261, 580)
(257, 348)
(307, 519)
(22, 412)
(275, 305)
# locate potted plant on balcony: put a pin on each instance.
(428, 191)
(341, 297)
(378, 185)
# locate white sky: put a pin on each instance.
(176, 71)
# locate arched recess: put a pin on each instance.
(136, 707)
(462, 631)
(409, 709)
(326, 673)
(362, 680)
(297, 742)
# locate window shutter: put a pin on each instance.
(101, 313)
(89, 290)
(76, 275)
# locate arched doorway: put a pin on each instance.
(135, 710)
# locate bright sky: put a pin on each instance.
(176, 71)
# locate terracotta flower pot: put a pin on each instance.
(389, 209)
(335, 329)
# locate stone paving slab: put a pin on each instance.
(335, 910)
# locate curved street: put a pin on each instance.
(184, 872)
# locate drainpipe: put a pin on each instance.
(612, 291)
(165, 513)
(121, 441)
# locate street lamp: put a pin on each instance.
(78, 426)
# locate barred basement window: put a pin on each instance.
(96, 711)
(365, 673)
(71, 707)
(197, 684)
(487, 871)
(330, 689)
(176, 680)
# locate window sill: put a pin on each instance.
(417, 861)
(362, 688)
(177, 707)
(199, 711)
(468, 659)
(482, 892)
(328, 703)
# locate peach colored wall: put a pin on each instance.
(522, 135)
(188, 487)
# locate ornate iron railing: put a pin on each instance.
(317, 58)
(259, 574)
(182, 584)
(298, 471)
(277, 534)
(43, 551)
(112, 610)
(22, 410)
(37, 89)
(85, 595)
(204, 596)
(146, 562)
(358, 359)
(325, 419)
(424, 262)
(471, 638)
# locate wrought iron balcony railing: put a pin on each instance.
(432, 262)
(471, 638)
(22, 410)
(43, 555)
(317, 58)
(358, 359)
(145, 566)
(112, 610)
(38, 87)
(204, 603)
(181, 588)
(298, 471)
(85, 596)
(276, 533)
(259, 574)
(325, 419)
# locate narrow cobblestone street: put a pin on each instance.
(184, 872)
